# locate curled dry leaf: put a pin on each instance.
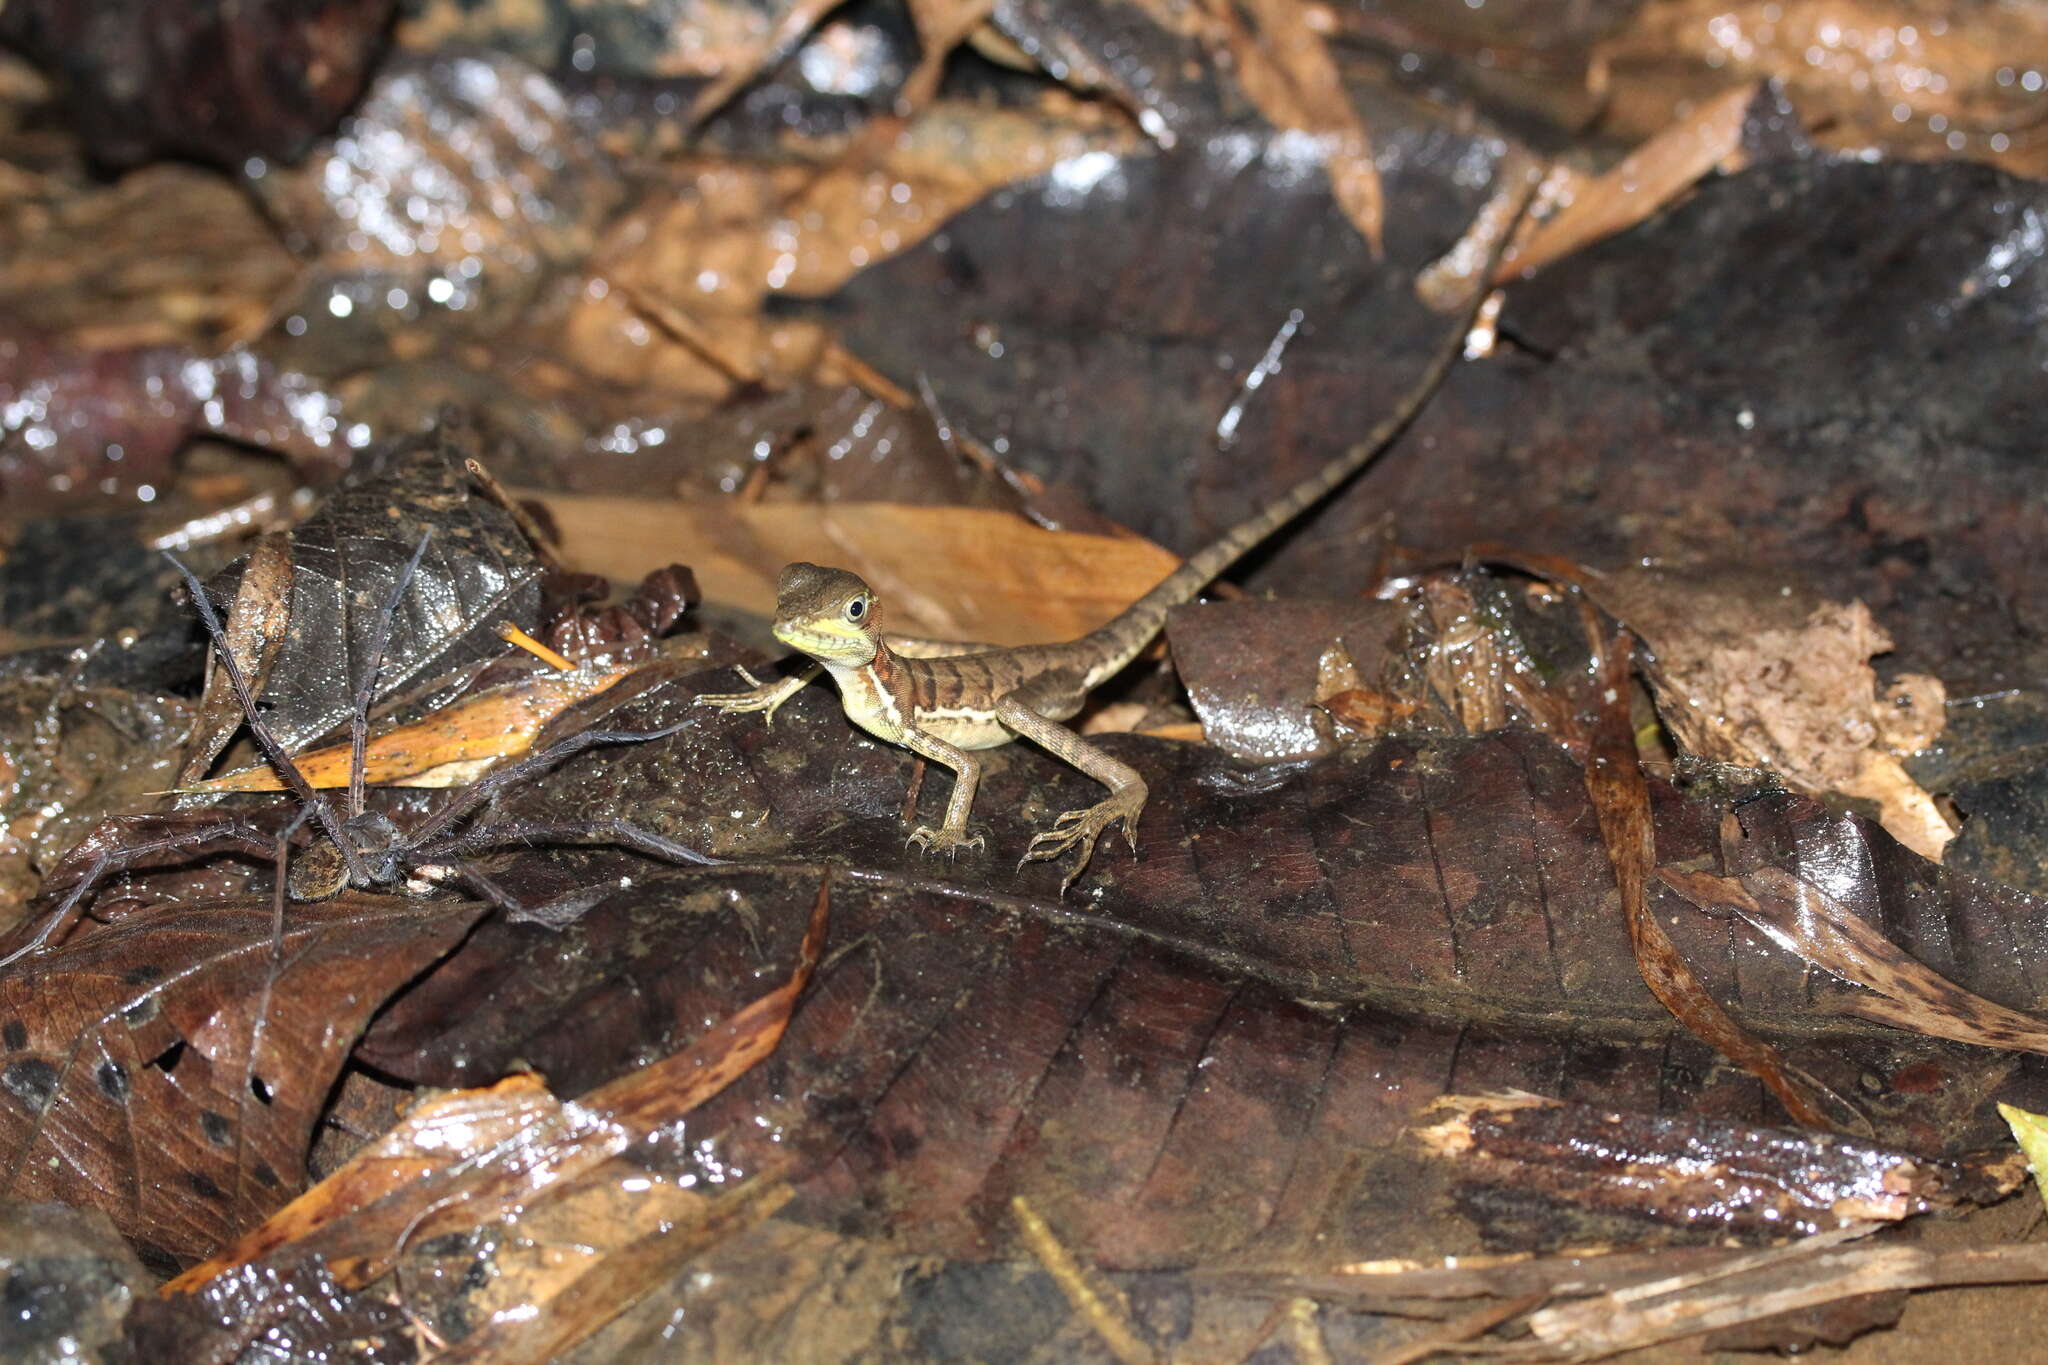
(951, 573)
(1805, 920)
(1621, 803)
(1644, 181)
(1691, 1170)
(256, 629)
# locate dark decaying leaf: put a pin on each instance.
(1156, 1106)
(1804, 919)
(478, 571)
(70, 1278)
(1122, 49)
(292, 1310)
(147, 78)
(507, 1164)
(1254, 670)
(1060, 314)
(1837, 1324)
(169, 1070)
(70, 752)
(1818, 370)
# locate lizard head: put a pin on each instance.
(829, 614)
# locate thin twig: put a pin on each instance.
(1103, 1310)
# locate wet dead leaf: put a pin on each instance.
(676, 286)
(1621, 803)
(1805, 920)
(1692, 1170)
(478, 570)
(169, 255)
(1284, 66)
(1887, 73)
(448, 748)
(952, 573)
(1639, 184)
(169, 1068)
(1747, 671)
(471, 1157)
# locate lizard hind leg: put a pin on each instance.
(1078, 829)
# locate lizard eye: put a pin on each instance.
(856, 609)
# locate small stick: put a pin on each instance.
(1105, 1312)
(513, 635)
(508, 504)
(1458, 1330)
(911, 792)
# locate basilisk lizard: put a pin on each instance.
(943, 700)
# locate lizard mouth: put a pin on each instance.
(822, 644)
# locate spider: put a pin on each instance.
(363, 848)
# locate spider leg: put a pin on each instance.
(287, 770)
(562, 910)
(380, 637)
(623, 833)
(233, 834)
(495, 781)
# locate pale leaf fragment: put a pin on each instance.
(946, 573)
(2030, 1130)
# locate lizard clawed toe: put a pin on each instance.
(764, 697)
(1079, 829)
(946, 841)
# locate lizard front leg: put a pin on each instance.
(767, 697)
(952, 836)
(1127, 791)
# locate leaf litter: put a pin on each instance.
(1473, 855)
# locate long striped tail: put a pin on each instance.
(1123, 639)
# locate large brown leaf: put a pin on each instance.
(1456, 876)
(1158, 1108)
(169, 1068)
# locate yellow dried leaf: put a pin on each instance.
(449, 747)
